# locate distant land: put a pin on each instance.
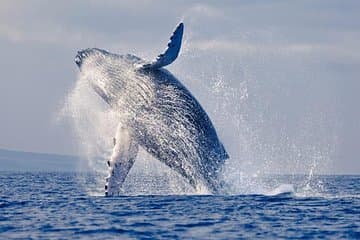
(11, 160)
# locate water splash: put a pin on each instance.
(262, 140)
(282, 189)
(93, 126)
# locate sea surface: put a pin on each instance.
(58, 206)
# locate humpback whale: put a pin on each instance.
(156, 113)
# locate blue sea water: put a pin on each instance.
(56, 206)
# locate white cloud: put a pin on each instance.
(205, 10)
(248, 48)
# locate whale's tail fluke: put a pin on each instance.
(171, 52)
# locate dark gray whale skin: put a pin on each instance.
(174, 127)
(209, 150)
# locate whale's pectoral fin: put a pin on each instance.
(171, 52)
(121, 161)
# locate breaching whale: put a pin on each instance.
(157, 113)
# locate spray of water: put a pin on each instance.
(267, 155)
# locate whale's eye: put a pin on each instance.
(83, 54)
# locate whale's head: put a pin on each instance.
(111, 75)
(90, 56)
(95, 58)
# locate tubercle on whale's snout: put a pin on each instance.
(78, 60)
(80, 57)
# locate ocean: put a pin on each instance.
(53, 205)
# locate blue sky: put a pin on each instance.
(280, 79)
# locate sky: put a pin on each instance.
(279, 79)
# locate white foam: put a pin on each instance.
(282, 189)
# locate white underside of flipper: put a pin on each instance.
(171, 52)
(121, 160)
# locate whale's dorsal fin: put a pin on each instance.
(171, 52)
